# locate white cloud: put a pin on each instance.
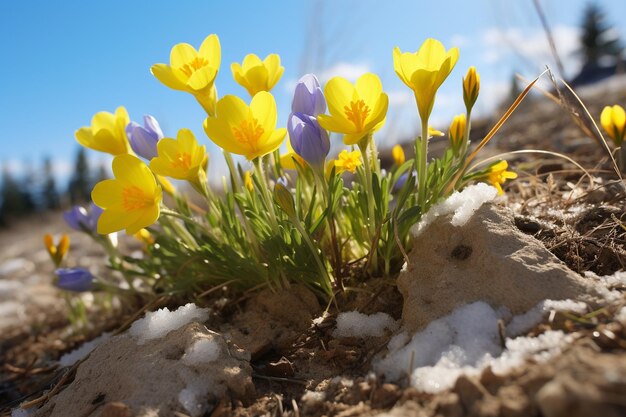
(346, 70)
(400, 98)
(460, 41)
(532, 45)
(341, 69)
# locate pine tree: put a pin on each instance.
(80, 183)
(15, 199)
(597, 39)
(50, 196)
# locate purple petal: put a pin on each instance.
(152, 126)
(74, 279)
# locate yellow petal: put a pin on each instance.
(251, 60)
(182, 54)
(107, 194)
(378, 113)
(130, 169)
(431, 54)
(352, 138)
(232, 108)
(606, 120)
(111, 221)
(202, 78)
(85, 137)
(103, 121)
(256, 80)
(263, 108)
(146, 218)
(164, 74)
(334, 124)
(274, 70)
(397, 66)
(339, 92)
(368, 88)
(220, 132)
(237, 71)
(211, 50)
(619, 117)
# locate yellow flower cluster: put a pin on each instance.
(132, 199)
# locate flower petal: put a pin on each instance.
(164, 74)
(338, 92)
(182, 54)
(211, 50)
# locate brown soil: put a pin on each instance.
(579, 221)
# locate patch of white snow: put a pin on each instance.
(157, 324)
(355, 324)
(461, 204)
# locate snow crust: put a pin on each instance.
(355, 324)
(525, 322)
(159, 323)
(465, 342)
(461, 204)
(85, 349)
(202, 351)
(21, 412)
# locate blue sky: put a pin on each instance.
(64, 61)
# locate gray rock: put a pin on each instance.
(486, 259)
(158, 378)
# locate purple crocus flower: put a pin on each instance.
(308, 139)
(143, 139)
(74, 279)
(308, 97)
(82, 219)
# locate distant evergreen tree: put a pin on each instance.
(16, 200)
(28, 188)
(514, 90)
(50, 196)
(103, 174)
(598, 40)
(80, 182)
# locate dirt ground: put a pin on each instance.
(580, 220)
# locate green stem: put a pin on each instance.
(265, 192)
(320, 181)
(422, 167)
(234, 175)
(363, 145)
(320, 265)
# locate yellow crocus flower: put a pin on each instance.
(287, 159)
(613, 120)
(57, 252)
(256, 75)
(434, 132)
(355, 110)
(471, 87)
(498, 175)
(456, 134)
(246, 130)
(397, 153)
(192, 70)
(424, 71)
(347, 161)
(145, 237)
(131, 200)
(107, 132)
(181, 158)
(247, 181)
